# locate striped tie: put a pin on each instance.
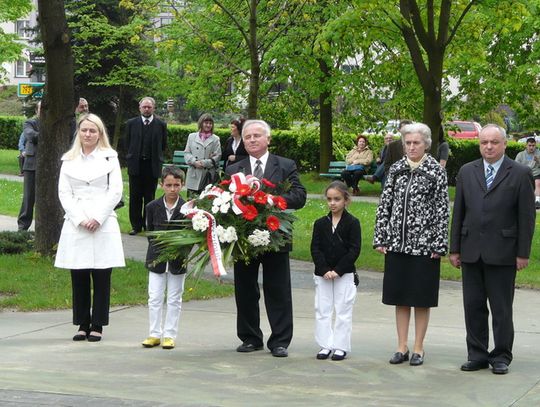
(258, 169)
(490, 175)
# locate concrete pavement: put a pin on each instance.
(40, 365)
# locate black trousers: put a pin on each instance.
(277, 299)
(26, 214)
(482, 283)
(91, 309)
(351, 178)
(142, 191)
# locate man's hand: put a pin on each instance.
(521, 263)
(455, 260)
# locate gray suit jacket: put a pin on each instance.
(496, 225)
(31, 135)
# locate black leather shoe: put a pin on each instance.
(323, 354)
(499, 368)
(133, 232)
(80, 336)
(280, 352)
(417, 359)
(399, 357)
(474, 365)
(339, 355)
(248, 347)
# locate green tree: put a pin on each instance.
(10, 48)
(114, 54)
(218, 49)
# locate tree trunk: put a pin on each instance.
(57, 114)
(325, 118)
(255, 74)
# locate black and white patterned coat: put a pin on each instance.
(412, 217)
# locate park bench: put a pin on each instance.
(336, 168)
(179, 160)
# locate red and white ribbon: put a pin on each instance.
(241, 181)
(212, 240)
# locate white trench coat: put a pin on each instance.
(86, 193)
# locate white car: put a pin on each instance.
(524, 139)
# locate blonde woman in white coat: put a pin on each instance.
(90, 244)
(202, 154)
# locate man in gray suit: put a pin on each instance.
(31, 135)
(492, 231)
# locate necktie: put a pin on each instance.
(146, 122)
(490, 175)
(258, 169)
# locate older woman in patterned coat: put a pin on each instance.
(412, 232)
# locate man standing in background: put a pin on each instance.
(31, 135)
(530, 157)
(146, 140)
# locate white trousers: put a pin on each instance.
(157, 285)
(334, 295)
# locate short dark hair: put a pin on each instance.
(174, 171)
(239, 123)
(531, 140)
(404, 123)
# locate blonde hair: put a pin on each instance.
(103, 141)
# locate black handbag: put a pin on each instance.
(209, 176)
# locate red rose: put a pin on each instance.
(243, 190)
(272, 222)
(260, 197)
(225, 182)
(268, 183)
(250, 213)
(280, 202)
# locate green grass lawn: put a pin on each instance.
(29, 282)
(369, 258)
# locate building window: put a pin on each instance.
(22, 28)
(21, 69)
(165, 21)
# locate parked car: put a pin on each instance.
(463, 129)
(524, 139)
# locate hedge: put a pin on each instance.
(302, 144)
(10, 130)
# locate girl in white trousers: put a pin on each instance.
(335, 246)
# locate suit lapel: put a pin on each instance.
(503, 172)
(480, 175)
(272, 166)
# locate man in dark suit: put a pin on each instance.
(31, 135)
(492, 230)
(146, 140)
(276, 268)
(394, 151)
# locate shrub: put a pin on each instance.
(16, 242)
(10, 130)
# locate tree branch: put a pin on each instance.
(459, 21)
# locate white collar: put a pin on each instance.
(147, 118)
(263, 159)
